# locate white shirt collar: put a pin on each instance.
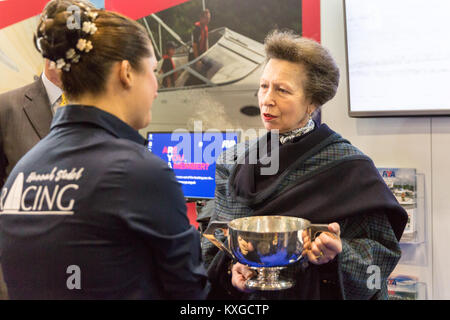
(53, 91)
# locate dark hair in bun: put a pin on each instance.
(116, 38)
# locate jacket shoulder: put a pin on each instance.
(11, 98)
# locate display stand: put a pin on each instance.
(412, 278)
(417, 210)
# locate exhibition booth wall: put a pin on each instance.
(400, 142)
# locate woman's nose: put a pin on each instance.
(268, 98)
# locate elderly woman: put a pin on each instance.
(321, 177)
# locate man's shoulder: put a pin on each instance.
(10, 98)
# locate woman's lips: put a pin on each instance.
(268, 116)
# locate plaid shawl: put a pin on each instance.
(315, 187)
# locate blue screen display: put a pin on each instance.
(192, 156)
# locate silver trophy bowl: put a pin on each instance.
(266, 244)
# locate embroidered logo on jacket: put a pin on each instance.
(41, 193)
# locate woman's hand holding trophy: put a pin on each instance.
(325, 247)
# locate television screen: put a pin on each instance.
(192, 156)
(398, 57)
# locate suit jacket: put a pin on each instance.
(25, 118)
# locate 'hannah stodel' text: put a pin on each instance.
(56, 175)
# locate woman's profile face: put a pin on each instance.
(145, 92)
(281, 98)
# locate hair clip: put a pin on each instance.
(92, 15)
(38, 44)
(89, 27)
(84, 45)
(60, 63)
(70, 53)
(76, 59)
(66, 67)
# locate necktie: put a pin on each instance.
(62, 101)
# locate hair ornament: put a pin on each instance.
(84, 45)
(92, 15)
(89, 27)
(66, 67)
(70, 54)
(60, 63)
(76, 59)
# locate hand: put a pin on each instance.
(325, 247)
(239, 274)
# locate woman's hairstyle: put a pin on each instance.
(322, 73)
(85, 42)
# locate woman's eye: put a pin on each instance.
(264, 86)
(283, 90)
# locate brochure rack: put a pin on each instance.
(412, 278)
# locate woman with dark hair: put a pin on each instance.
(321, 177)
(89, 212)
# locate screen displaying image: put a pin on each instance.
(192, 156)
(398, 57)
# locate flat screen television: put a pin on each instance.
(398, 57)
(192, 156)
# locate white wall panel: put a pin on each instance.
(421, 143)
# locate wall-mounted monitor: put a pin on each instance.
(398, 57)
(192, 156)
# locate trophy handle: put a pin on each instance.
(317, 229)
(210, 235)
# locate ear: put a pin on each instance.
(311, 109)
(125, 74)
(53, 74)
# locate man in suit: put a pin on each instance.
(25, 117)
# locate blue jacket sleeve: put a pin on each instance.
(155, 209)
